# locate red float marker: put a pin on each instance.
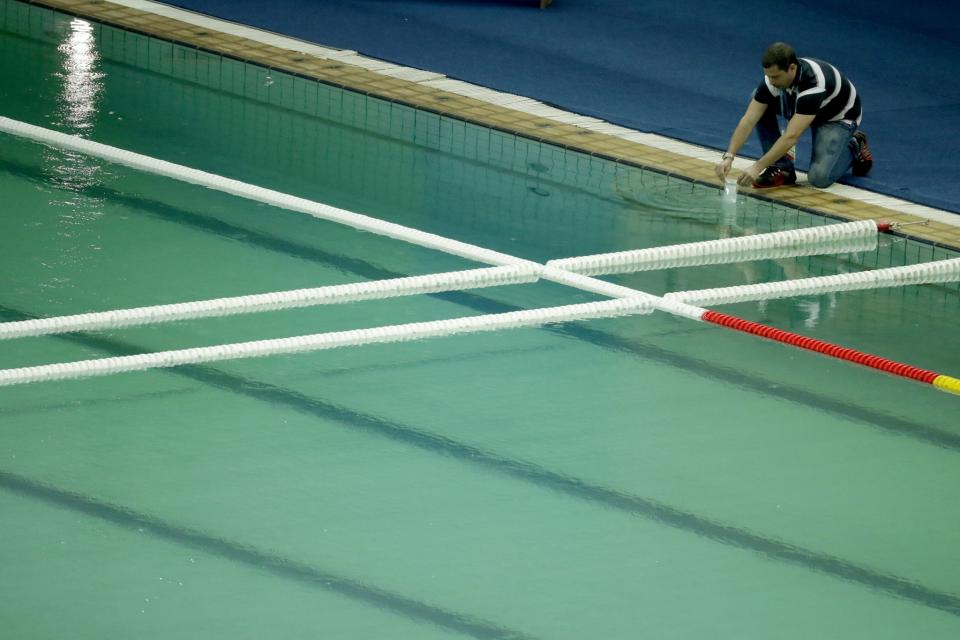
(844, 353)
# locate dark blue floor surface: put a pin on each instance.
(679, 68)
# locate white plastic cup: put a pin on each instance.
(728, 202)
(730, 190)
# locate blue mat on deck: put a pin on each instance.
(680, 68)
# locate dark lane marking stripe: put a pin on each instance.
(539, 476)
(73, 405)
(247, 555)
(774, 388)
(575, 487)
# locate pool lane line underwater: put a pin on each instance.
(620, 145)
(269, 562)
(542, 477)
(209, 224)
(391, 230)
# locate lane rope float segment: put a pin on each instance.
(947, 383)
(843, 353)
(330, 340)
(334, 294)
(927, 273)
(551, 271)
(845, 237)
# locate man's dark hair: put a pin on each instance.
(781, 55)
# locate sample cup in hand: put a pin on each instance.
(730, 190)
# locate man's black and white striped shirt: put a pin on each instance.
(819, 89)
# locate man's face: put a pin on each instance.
(780, 78)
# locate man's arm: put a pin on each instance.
(797, 125)
(751, 117)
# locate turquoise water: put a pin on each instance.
(621, 478)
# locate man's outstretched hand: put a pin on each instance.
(749, 176)
(723, 167)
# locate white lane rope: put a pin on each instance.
(331, 340)
(294, 203)
(834, 238)
(927, 273)
(253, 192)
(335, 294)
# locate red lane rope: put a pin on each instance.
(836, 351)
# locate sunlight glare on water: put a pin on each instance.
(81, 76)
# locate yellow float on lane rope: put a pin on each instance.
(947, 383)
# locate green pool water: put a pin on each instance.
(623, 478)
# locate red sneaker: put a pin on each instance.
(864, 161)
(774, 176)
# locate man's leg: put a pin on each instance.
(768, 130)
(833, 151)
